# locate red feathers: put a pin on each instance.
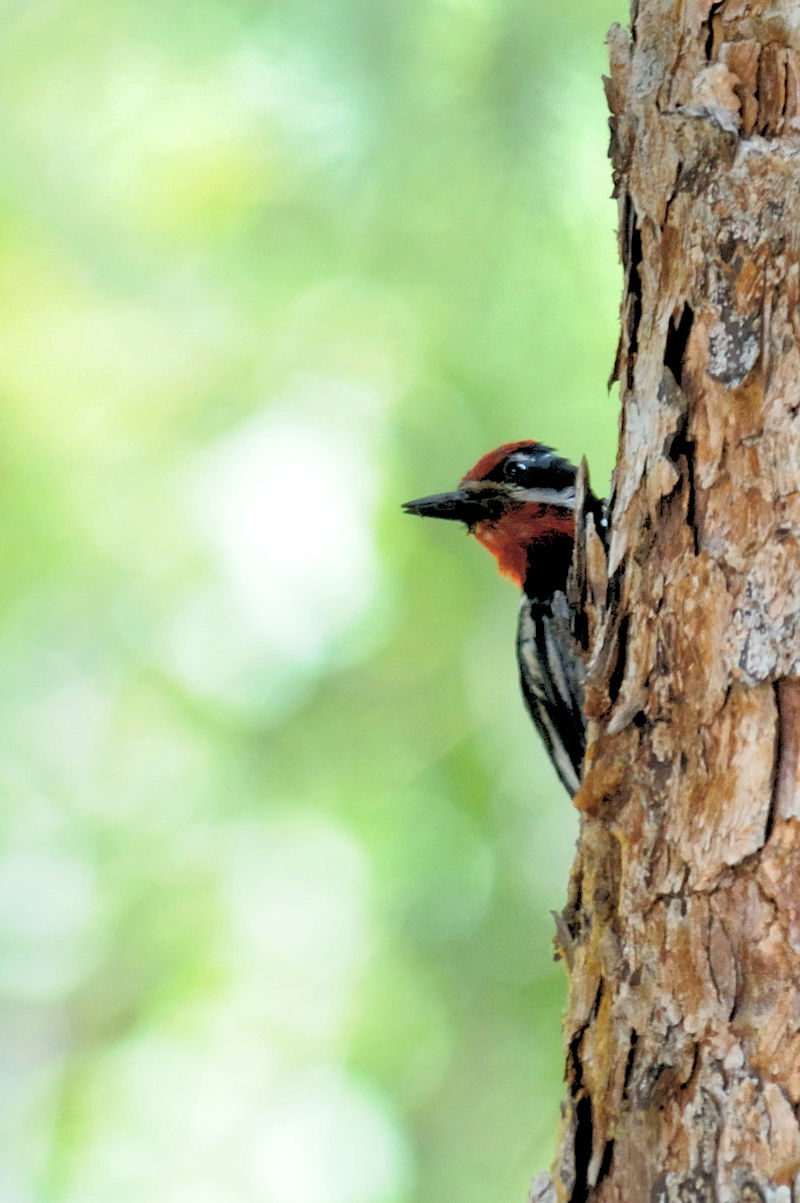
(493, 458)
(512, 537)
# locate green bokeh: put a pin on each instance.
(279, 845)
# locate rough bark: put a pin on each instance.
(682, 932)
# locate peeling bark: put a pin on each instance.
(683, 922)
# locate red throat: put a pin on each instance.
(511, 538)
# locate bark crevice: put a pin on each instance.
(678, 341)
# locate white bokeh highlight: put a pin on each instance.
(282, 509)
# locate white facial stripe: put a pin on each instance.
(559, 497)
(563, 497)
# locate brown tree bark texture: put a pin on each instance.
(682, 931)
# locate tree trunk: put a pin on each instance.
(682, 931)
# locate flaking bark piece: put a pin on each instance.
(586, 583)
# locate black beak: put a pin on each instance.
(462, 505)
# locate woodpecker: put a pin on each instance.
(519, 502)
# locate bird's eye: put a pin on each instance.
(518, 472)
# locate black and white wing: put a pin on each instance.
(552, 673)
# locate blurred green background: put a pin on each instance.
(279, 845)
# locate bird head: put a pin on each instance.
(519, 502)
